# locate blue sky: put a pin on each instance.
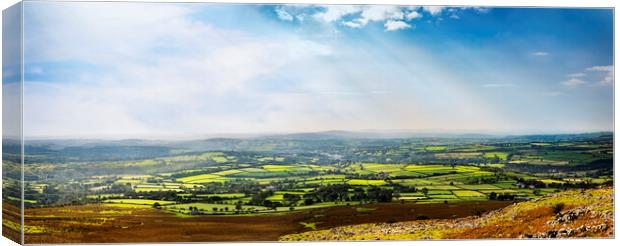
(169, 70)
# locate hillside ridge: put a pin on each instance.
(568, 214)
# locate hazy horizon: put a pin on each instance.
(182, 70)
(388, 134)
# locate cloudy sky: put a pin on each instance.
(150, 70)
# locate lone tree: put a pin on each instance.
(157, 205)
(425, 191)
(492, 196)
(557, 208)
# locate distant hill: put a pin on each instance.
(61, 150)
(567, 214)
(326, 135)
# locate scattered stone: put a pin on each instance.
(581, 229)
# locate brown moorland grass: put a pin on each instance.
(583, 213)
(11, 221)
(97, 223)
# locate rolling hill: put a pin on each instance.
(569, 214)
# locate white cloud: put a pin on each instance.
(607, 76)
(475, 8)
(117, 31)
(456, 12)
(336, 12)
(173, 74)
(393, 17)
(594, 76)
(291, 12)
(392, 25)
(434, 10)
(283, 15)
(378, 13)
(413, 15)
(540, 53)
(300, 17)
(601, 68)
(481, 9)
(138, 90)
(353, 24)
(576, 75)
(382, 12)
(607, 80)
(358, 16)
(573, 82)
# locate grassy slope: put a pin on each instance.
(584, 214)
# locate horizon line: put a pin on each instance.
(240, 135)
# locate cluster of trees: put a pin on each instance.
(398, 188)
(596, 165)
(484, 180)
(572, 185)
(340, 193)
(260, 199)
(52, 194)
(501, 197)
(193, 210)
(329, 193)
(117, 188)
(374, 176)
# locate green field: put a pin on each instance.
(263, 175)
(501, 155)
(138, 201)
(435, 148)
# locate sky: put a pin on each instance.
(150, 70)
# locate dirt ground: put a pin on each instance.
(108, 224)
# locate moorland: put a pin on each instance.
(301, 185)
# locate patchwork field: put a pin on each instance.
(262, 189)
